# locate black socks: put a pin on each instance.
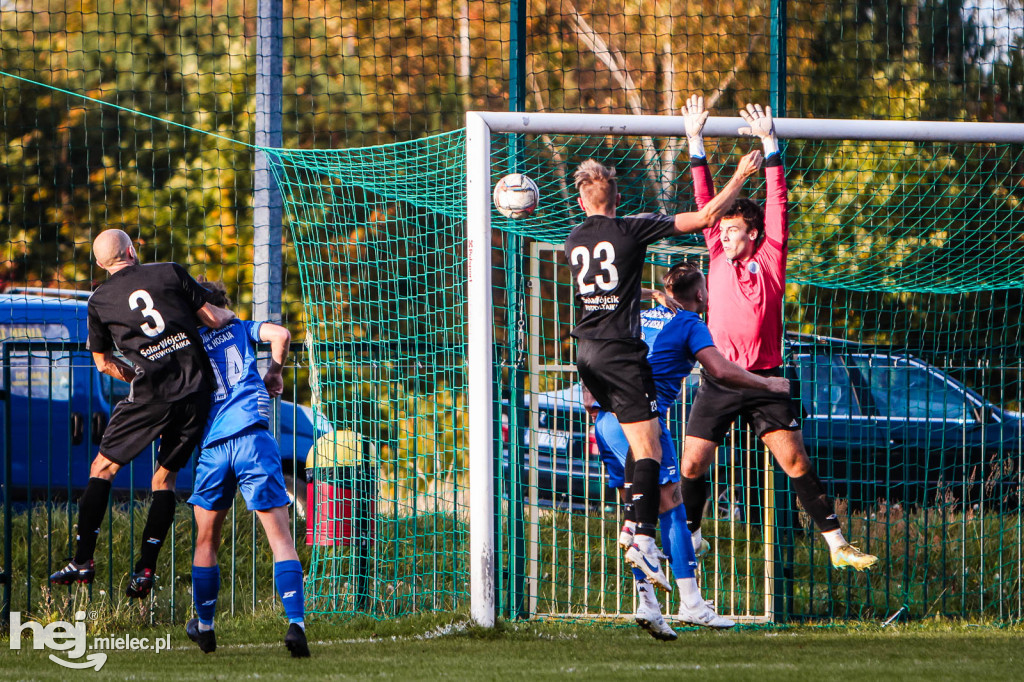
(91, 509)
(695, 496)
(816, 503)
(646, 496)
(161, 517)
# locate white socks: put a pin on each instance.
(647, 595)
(644, 542)
(689, 593)
(204, 628)
(697, 538)
(835, 539)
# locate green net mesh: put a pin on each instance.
(379, 246)
(903, 316)
(910, 247)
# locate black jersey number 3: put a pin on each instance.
(607, 276)
(140, 298)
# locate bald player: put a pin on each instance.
(151, 314)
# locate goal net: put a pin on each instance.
(439, 331)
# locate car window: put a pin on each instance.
(33, 332)
(905, 390)
(825, 386)
(43, 374)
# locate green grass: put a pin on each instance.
(433, 647)
(40, 545)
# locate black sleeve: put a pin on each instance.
(195, 294)
(99, 340)
(648, 228)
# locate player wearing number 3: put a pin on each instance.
(151, 314)
(606, 254)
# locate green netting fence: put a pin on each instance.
(918, 271)
(903, 329)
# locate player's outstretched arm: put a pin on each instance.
(278, 337)
(733, 375)
(761, 125)
(111, 366)
(712, 212)
(659, 297)
(694, 118)
(213, 316)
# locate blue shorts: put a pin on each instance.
(614, 446)
(250, 461)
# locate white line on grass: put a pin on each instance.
(437, 633)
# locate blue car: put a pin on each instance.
(56, 405)
(880, 423)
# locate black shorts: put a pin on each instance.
(616, 371)
(178, 425)
(715, 408)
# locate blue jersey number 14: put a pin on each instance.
(234, 370)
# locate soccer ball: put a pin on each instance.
(516, 196)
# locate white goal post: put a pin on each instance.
(479, 127)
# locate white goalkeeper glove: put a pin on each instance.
(760, 124)
(695, 116)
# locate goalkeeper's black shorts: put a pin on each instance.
(715, 408)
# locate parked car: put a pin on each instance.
(880, 425)
(56, 405)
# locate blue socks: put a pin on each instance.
(675, 540)
(205, 585)
(639, 576)
(288, 581)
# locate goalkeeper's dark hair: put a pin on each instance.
(216, 293)
(681, 279)
(596, 183)
(752, 214)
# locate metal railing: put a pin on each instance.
(55, 406)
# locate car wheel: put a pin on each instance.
(730, 508)
(296, 494)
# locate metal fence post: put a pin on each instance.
(782, 599)
(7, 576)
(267, 202)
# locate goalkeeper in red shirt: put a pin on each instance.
(746, 283)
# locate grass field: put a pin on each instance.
(432, 648)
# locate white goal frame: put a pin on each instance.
(480, 372)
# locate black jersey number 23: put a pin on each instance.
(141, 300)
(607, 276)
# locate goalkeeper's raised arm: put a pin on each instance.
(776, 228)
(713, 210)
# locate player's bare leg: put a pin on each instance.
(287, 577)
(644, 441)
(208, 535)
(788, 449)
(277, 526)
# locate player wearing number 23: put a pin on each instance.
(606, 254)
(151, 314)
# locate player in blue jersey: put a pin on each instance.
(678, 339)
(240, 452)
